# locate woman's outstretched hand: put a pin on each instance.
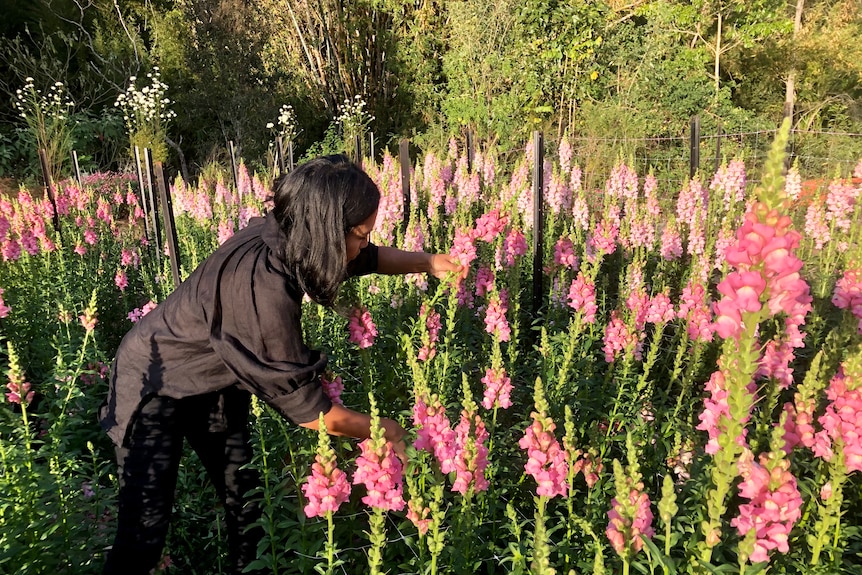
(443, 264)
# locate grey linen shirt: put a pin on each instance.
(236, 320)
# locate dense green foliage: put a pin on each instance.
(429, 69)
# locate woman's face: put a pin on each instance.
(357, 237)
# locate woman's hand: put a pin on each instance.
(443, 264)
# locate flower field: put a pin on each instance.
(687, 397)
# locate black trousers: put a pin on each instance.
(216, 426)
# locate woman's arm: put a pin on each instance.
(392, 261)
(340, 420)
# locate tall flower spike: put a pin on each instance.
(327, 486)
(379, 469)
(546, 461)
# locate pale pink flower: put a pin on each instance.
(434, 433)
(582, 297)
(362, 328)
(498, 387)
(121, 280)
(546, 461)
(515, 245)
(775, 503)
(627, 523)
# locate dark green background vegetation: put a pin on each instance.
(431, 69)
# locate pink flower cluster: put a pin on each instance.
(332, 386)
(429, 340)
(671, 242)
(4, 309)
(628, 522)
(694, 308)
(848, 293)
(515, 245)
(775, 503)
(604, 238)
(434, 433)
(380, 470)
(463, 248)
(498, 387)
(546, 461)
(715, 407)
(471, 454)
(799, 425)
(590, 466)
(136, 314)
(327, 486)
(564, 253)
(619, 338)
(842, 419)
(419, 515)
(19, 390)
(484, 281)
(766, 269)
(582, 297)
(495, 316)
(660, 309)
(362, 328)
(490, 225)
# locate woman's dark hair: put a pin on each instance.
(316, 205)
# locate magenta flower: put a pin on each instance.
(362, 328)
(327, 486)
(495, 316)
(775, 503)
(514, 245)
(380, 471)
(434, 433)
(471, 454)
(490, 225)
(121, 280)
(546, 461)
(498, 387)
(582, 297)
(332, 386)
(463, 248)
(842, 420)
(626, 523)
(4, 309)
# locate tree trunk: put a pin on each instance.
(790, 86)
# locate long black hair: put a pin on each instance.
(316, 205)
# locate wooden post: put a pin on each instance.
(717, 148)
(77, 168)
(232, 150)
(170, 227)
(357, 147)
(538, 219)
(290, 155)
(279, 155)
(49, 189)
(404, 160)
(694, 157)
(154, 210)
(470, 152)
(142, 198)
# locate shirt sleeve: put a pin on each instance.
(365, 263)
(256, 331)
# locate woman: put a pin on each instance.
(188, 368)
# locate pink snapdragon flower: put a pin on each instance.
(419, 515)
(848, 293)
(619, 338)
(490, 225)
(660, 309)
(4, 309)
(471, 454)
(626, 524)
(362, 328)
(121, 280)
(434, 433)
(515, 245)
(498, 388)
(604, 238)
(564, 253)
(327, 487)
(484, 281)
(546, 461)
(842, 420)
(775, 503)
(333, 386)
(432, 334)
(799, 425)
(495, 316)
(380, 471)
(582, 297)
(716, 408)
